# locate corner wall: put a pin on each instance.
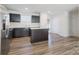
(60, 24)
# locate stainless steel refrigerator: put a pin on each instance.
(4, 34)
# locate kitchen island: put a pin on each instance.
(39, 34)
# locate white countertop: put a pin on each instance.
(39, 28)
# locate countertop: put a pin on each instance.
(39, 28)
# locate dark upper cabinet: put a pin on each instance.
(35, 19)
(14, 17)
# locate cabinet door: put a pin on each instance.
(20, 32)
(17, 32)
(25, 32)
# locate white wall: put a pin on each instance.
(66, 24)
(25, 21)
(43, 20)
(60, 24)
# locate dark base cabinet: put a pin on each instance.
(39, 35)
(10, 36)
(29, 32)
(20, 32)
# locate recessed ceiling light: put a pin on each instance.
(26, 8)
(49, 11)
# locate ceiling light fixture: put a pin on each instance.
(49, 11)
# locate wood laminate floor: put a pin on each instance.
(56, 45)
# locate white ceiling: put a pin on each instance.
(53, 8)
